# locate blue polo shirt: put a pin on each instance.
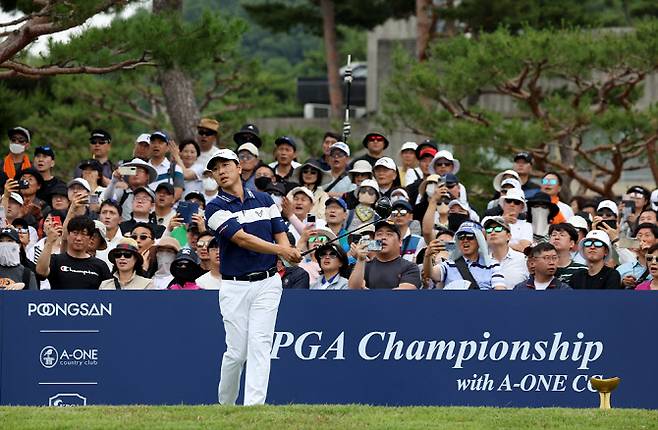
(257, 215)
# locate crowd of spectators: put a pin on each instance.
(140, 223)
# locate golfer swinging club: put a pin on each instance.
(246, 224)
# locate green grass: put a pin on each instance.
(320, 417)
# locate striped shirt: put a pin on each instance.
(164, 175)
(257, 215)
(487, 276)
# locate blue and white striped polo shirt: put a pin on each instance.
(257, 215)
(487, 276)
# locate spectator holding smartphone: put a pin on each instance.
(636, 272)
(652, 267)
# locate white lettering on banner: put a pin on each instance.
(69, 309)
(385, 346)
(67, 400)
(50, 357)
(527, 383)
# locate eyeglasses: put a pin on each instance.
(318, 239)
(549, 258)
(399, 212)
(202, 243)
(549, 181)
(496, 229)
(309, 171)
(246, 157)
(206, 132)
(514, 202)
(142, 199)
(652, 259)
(329, 255)
(443, 163)
(124, 254)
(594, 243)
(465, 236)
(20, 140)
(140, 237)
(368, 191)
(98, 142)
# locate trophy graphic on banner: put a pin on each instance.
(605, 387)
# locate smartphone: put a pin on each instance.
(186, 210)
(56, 220)
(310, 219)
(353, 238)
(375, 245)
(610, 223)
(23, 184)
(629, 204)
(128, 170)
(94, 199)
(450, 246)
(629, 243)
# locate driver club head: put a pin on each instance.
(383, 207)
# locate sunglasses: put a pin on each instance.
(23, 231)
(330, 255)
(652, 259)
(202, 244)
(368, 191)
(309, 171)
(594, 243)
(319, 239)
(549, 181)
(465, 236)
(140, 237)
(375, 139)
(123, 254)
(514, 202)
(399, 212)
(206, 133)
(443, 163)
(496, 229)
(98, 142)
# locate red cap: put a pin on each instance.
(428, 151)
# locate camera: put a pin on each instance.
(23, 184)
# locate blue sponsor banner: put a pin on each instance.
(375, 347)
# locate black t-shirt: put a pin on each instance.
(45, 192)
(69, 273)
(389, 275)
(606, 279)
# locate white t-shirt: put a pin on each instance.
(195, 185)
(514, 267)
(542, 285)
(205, 156)
(521, 230)
(208, 282)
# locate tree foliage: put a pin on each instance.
(573, 93)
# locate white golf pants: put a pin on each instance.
(249, 311)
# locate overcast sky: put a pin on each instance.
(100, 20)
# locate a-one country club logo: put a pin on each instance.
(67, 399)
(48, 357)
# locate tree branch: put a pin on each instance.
(24, 70)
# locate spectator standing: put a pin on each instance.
(387, 270)
(512, 262)
(514, 205)
(402, 216)
(44, 162)
(284, 164)
(333, 264)
(523, 162)
(310, 176)
(445, 163)
(249, 161)
(185, 269)
(163, 254)
(13, 275)
(541, 213)
(335, 215)
(186, 155)
(213, 278)
(545, 264)
(143, 203)
(329, 139)
(17, 159)
(564, 238)
(340, 183)
(121, 187)
(167, 172)
(202, 250)
(110, 216)
(375, 144)
(360, 171)
(142, 149)
(636, 272)
(248, 133)
(387, 176)
(92, 172)
(596, 249)
(425, 154)
(127, 268)
(32, 205)
(164, 204)
(551, 184)
(207, 131)
(74, 268)
(100, 145)
(409, 171)
(368, 193)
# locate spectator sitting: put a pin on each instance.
(361, 170)
(325, 160)
(59, 198)
(334, 267)
(434, 253)
(100, 145)
(185, 270)
(143, 233)
(541, 212)
(402, 216)
(74, 268)
(470, 262)
(375, 144)
(514, 205)
(339, 157)
(44, 162)
(564, 238)
(648, 216)
(127, 268)
(98, 240)
(459, 212)
(523, 167)
(302, 203)
(368, 193)
(142, 205)
(636, 272)
(143, 175)
(409, 171)
(196, 197)
(310, 176)
(387, 270)
(335, 215)
(545, 264)
(284, 164)
(249, 161)
(210, 186)
(387, 176)
(264, 176)
(512, 262)
(596, 249)
(606, 219)
(164, 253)
(652, 266)
(551, 184)
(142, 149)
(186, 156)
(213, 278)
(202, 250)
(312, 238)
(13, 275)
(24, 231)
(32, 205)
(424, 154)
(164, 203)
(161, 145)
(12, 202)
(92, 172)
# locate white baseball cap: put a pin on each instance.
(596, 235)
(386, 162)
(144, 137)
(249, 147)
(578, 222)
(80, 181)
(608, 204)
(497, 182)
(369, 183)
(102, 231)
(222, 154)
(304, 190)
(448, 156)
(18, 198)
(654, 200)
(464, 205)
(342, 146)
(510, 181)
(409, 146)
(361, 166)
(514, 194)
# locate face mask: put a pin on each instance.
(209, 184)
(367, 199)
(277, 201)
(430, 189)
(540, 221)
(164, 261)
(261, 182)
(9, 255)
(16, 148)
(455, 220)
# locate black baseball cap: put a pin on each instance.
(166, 186)
(523, 155)
(30, 171)
(11, 233)
(402, 204)
(99, 133)
(386, 224)
(45, 150)
(94, 164)
(287, 140)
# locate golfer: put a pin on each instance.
(251, 233)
